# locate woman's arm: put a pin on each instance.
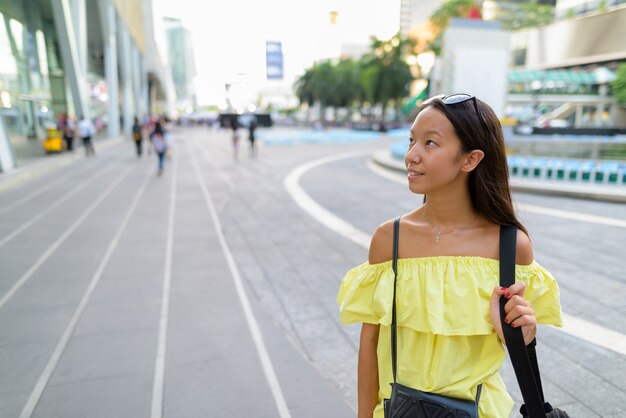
(368, 371)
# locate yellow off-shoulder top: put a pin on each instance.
(446, 342)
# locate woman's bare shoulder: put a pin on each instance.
(525, 254)
(381, 246)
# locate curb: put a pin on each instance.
(545, 187)
(21, 175)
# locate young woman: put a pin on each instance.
(449, 335)
(159, 142)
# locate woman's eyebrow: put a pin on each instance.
(428, 132)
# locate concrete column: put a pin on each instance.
(578, 122)
(136, 75)
(145, 87)
(79, 14)
(7, 161)
(127, 88)
(74, 74)
(109, 31)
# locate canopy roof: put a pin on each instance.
(598, 76)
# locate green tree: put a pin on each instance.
(619, 85)
(347, 85)
(386, 75)
(514, 16)
(526, 15)
(315, 86)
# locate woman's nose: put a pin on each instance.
(412, 156)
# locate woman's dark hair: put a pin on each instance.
(489, 181)
(158, 128)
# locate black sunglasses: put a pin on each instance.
(461, 98)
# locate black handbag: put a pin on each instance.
(523, 357)
(406, 402)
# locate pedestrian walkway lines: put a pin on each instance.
(579, 328)
(54, 205)
(49, 185)
(159, 367)
(257, 337)
(18, 177)
(583, 217)
(35, 396)
(310, 206)
(53, 247)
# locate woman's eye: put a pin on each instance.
(430, 143)
(411, 141)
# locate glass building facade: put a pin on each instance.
(95, 58)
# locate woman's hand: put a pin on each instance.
(518, 311)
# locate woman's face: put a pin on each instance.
(434, 157)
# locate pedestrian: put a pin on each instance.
(159, 144)
(86, 131)
(69, 133)
(449, 337)
(234, 125)
(251, 128)
(138, 136)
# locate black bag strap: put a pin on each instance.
(394, 265)
(523, 358)
(394, 333)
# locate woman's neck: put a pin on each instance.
(449, 210)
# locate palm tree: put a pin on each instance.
(304, 90)
(347, 85)
(386, 75)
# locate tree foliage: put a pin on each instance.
(379, 77)
(619, 85)
(526, 15)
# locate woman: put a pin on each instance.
(159, 143)
(137, 136)
(449, 333)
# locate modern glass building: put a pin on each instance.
(95, 58)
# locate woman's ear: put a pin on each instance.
(471, 160)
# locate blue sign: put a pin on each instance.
(274, 60)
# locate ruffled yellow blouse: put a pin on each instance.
(446, 342)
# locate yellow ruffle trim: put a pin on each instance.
(446, 295)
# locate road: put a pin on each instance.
(210, 291)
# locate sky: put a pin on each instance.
(229, 36)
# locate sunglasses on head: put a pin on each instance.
(460, 98)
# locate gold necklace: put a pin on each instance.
(438, 232)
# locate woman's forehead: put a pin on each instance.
(432, 119)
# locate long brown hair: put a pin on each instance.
(489, 181)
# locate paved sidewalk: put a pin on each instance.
(33, 162)
(547, 187)
(290, 265)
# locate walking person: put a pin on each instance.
(449, 336)
(138, 136)
(159, 143)
(86, 131)
(234, 125)
(67, 127)
(251, 136)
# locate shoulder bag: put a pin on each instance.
(406, 402)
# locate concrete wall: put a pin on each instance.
(590, 39)
(474, 60)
